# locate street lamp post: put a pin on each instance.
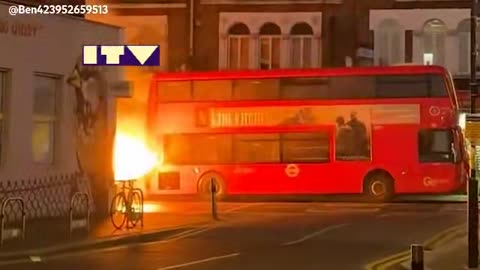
(472, 183)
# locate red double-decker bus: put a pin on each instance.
(379, 131)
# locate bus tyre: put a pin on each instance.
(204, 186)
(378, 187)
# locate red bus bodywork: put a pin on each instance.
(208, 127)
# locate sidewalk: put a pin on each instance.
(53, 236)
(450, 256)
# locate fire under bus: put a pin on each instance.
(380, 131)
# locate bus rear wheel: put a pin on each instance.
(204, 186)
(378, 187)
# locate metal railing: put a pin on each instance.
(46, 197)
(79, 212)
(8, 230)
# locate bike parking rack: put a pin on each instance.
(11, 233)
(82, 222)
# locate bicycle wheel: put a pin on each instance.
(118, 210)
(136, 211)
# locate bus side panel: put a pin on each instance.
(260, 179)
(346, 177)
(395, 151)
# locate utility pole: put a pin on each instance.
(472, 183)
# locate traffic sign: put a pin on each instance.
(472, 128)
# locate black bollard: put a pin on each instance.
(213, 191)
(473, 221)
(416, 255)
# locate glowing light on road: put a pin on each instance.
(154, 207)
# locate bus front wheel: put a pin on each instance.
(378, 187)
(204, 185)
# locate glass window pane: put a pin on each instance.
(305, 147)
(428, 43)
(389, 42)
(44, 95)
(233, 52)
(439, 54)
(275, 53)
(174, 91)
(464, 52)
(439, 88)
(212, 90)
(42, 142)
(265, 47)
(256, 89)
(395, 47)
(305, 88)
(402, 86)
(244, 53)
(3, 89)
(296, 55)
(383, 44)
(177, 149)
(2, 134)
(397, 86)
(257, 148)
(210, 149)
(351, 87)
(435, 145)
(198, 149)
(478, 54)
(307, 52)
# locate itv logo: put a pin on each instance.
(121, 55)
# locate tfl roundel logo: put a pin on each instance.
(292, 170)
(434, 111)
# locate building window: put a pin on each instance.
(3, 92)
(270, 37)
(434, 36)
(389, 43)
(238, 46)
(44, 117)
(463, 31)
(301, 46)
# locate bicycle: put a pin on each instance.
(127, 206)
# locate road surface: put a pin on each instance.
(279, 236)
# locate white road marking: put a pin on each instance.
(192, 233)
(199, 261)
(317, 233)
(184, 233)
(35, 258)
